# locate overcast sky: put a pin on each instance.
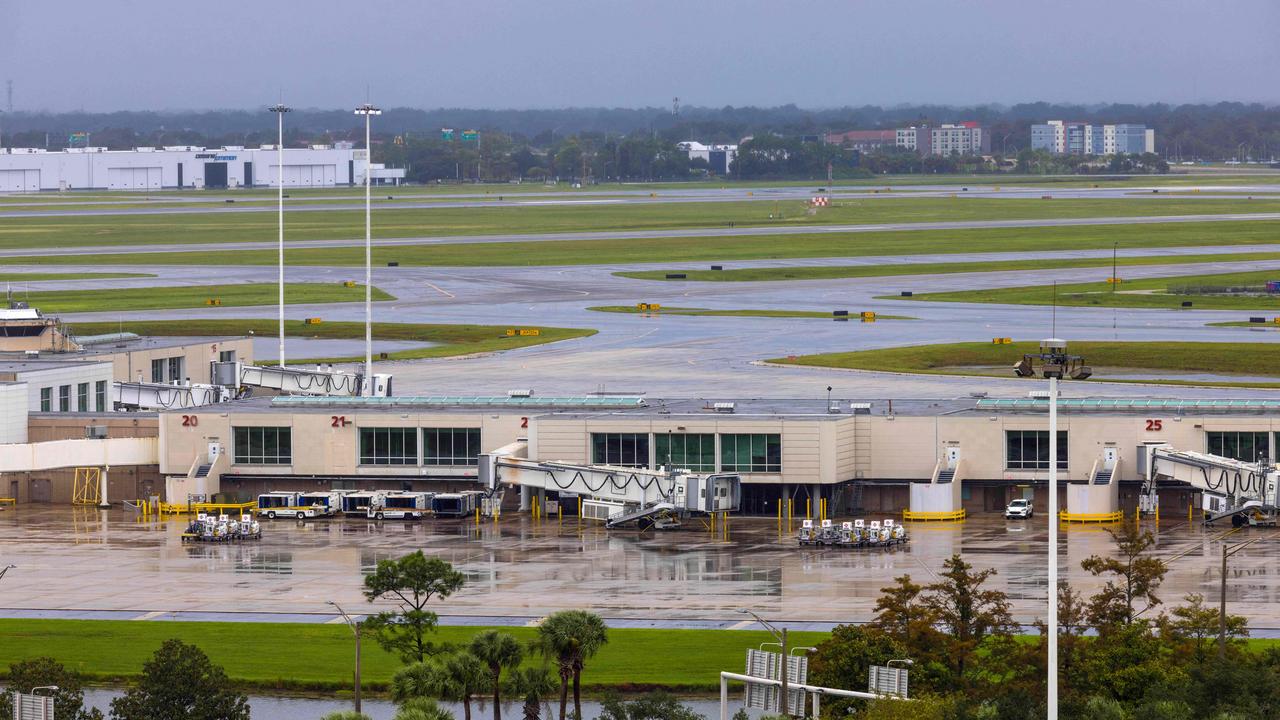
(192, 54)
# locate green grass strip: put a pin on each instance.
(266, 655)
(737, 313)
(1142, 293)
(189, 296)
(19, 277)
(210, 228)
(1253, 359)
(831, 272)
(451, 340)
(726, 248)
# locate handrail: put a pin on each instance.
(816, 691)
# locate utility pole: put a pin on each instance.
(279, 109)
(1227, 551)
(355, 629)
(368, 111)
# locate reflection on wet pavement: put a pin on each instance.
(106, 564)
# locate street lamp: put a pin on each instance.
(6, 569)
(355, 629)
(280, 109)
(368, 111)
(1055, 364)
(779, 634)
(1227, 551)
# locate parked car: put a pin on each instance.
(1020, 509)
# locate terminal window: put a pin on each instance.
(82, 397)
(1244, 446)
(157, 371)
(756, 453)
(696, 452)
(46, 399)
(620, 449)
(100, 396)
(1029, 449)
(389, 446)
(64, 398)
(451, 446)
(175, 368)
(263, 445)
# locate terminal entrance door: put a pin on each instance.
(215, 175)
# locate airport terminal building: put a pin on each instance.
(856, 456)
(174, 167)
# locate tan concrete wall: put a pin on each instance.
(123, 483)
(52, 426)
(196, 358)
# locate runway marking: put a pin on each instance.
(441, 290)
(151, 615)
(567, 202)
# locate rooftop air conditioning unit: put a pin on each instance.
(860, 408)
(520, 393)
(1038, 394)
(724, 407)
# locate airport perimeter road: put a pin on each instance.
(655, 233)
(690, 356)
(519, 569)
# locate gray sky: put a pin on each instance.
(191, 54)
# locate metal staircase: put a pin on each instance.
(639, 514)
(946, 476)
(203, 470)
(1102, 477)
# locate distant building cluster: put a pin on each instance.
(966, 138)
(719, 157)
(1062, 137)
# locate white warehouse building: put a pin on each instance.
(146, 168)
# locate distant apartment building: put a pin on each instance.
(719, 157)
(967, 138)
(862, 140)
(1062, 137)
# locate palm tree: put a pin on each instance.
(498, 650)
(421, 708)
(568, 638)
(535, 684)
(455, 677)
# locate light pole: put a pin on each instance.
(779, 634)
(1055, 364)
(6, 569)
(355, 629)
(368, 111)
(1115, 248)
(279, 109)
(1227, 551)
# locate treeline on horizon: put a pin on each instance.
(639, 143)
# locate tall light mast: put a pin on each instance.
(368, 111)
(279, 109)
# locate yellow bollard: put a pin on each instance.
(1189, 512)
(808, 508)
(713, 523)
(477, 517)
(791, 507)
(780, 501)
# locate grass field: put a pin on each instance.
(266, 655)
(189, 296)
(824, 315)
(1246, 359)
(1143, 293)
(214, 228)
(451, 340)
(831, 272)
(20, 277)
(727, 248)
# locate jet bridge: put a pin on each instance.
(1245, 492)
(165, 396)
(616, 495)
(298, 381)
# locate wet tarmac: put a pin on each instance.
(88, 563)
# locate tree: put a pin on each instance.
(1137, 576)
(842, 660)
(179, 683)
(534, 684)
(345, 715)
(43, 672)
(569, 638)
(456, 677)
(969, 613)
(497, 650)
(1193, 628)
(421, 708)
(653, 706)
(412, 580)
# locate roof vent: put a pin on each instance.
(1038, 394)
(860, 408)
(525, 392)
(723, 407)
